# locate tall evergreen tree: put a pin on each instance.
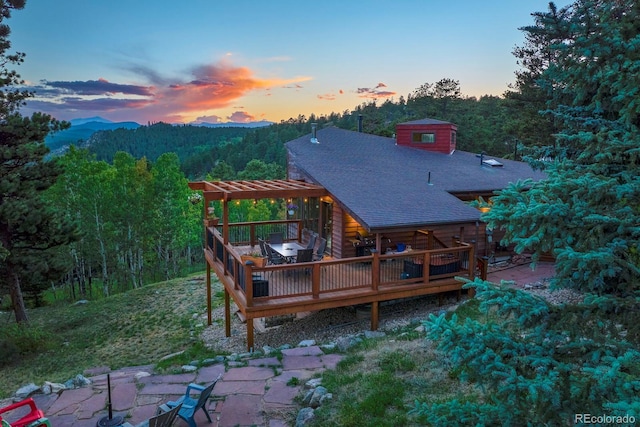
(586, 212)
(30, 230)
(538, 363)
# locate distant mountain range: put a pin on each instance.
(82, 128)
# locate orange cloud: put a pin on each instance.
(207, 88)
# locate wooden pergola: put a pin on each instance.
(227, 191)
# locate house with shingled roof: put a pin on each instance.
(387, 192)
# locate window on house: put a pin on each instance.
(453, 138)
(424, 137)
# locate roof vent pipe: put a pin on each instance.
(314, 138)
(360, 123)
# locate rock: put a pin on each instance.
(81, 381)
(214, 361)
(344, 343)
(189, 368)
(307, 397)
(329, 347)
(305, 416)
(141, 374)
(267, 350)
(27, 390)
(313, 383)
(81, 302)
(419, 329)
(52, 388)
(374, 334)
(317, 396)
(306, 343)
(326, 397)
(169, 356)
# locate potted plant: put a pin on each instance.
(256, 257)
(212, 220)
(195, 198)
(291, 208)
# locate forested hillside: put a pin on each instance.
(491, 124)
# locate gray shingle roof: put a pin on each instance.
(384, 185)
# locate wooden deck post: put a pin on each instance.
(209, 321)
(227, 313)
(249, 334)
(374, 315)
(315, 280)
(375, 270)
(248, 283)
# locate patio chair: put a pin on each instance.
(162, 419)
(304, 255)
(191, 405)
(319, 255)
(263, 247)
(312, 241)
(276, 238)
(35, 417)
(274, 257)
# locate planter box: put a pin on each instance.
(257, 261)
(211, 222)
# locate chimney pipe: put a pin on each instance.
(359, 122)
(314, 138)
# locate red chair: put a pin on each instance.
(35, 417)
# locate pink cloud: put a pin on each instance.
(241, 117)
(374, 93)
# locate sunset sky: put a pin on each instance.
(217, 61)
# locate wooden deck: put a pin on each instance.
(276, 290)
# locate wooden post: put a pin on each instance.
(249, 334)
(227, 313)
(426, 267)
(248, 281)
(315, 280)
(375, 269)
(209, 321)
(374, 315)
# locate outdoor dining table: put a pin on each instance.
(289, 250)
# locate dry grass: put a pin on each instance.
(135, 328)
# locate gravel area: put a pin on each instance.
(323, 326)
(328, 325)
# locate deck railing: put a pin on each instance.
(247, 233)
(312, 280)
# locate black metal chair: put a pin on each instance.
(304, 255)
(276, 238)
(312, 240)
(263, 247)
(274, 257)
(320, 251)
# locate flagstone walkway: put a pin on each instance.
(258, 394)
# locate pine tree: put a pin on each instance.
(536, 363)
(586, 212)
(31, 232)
